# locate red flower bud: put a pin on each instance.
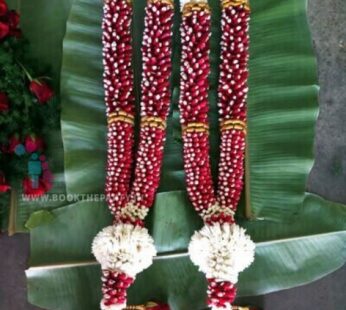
(41, 90)
(31, 192)
(4, 104)
(3, 8)
(13, 142)
(13, 19)
(4, 30)
(33, 144)
(47, 179)
(4, 187)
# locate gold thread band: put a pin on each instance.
(196, 127)
(149, 305)
(120, 119)
(195, 5)
(168, 2)
(153, 121)
(121, 116)
(232, 3)
(121, 113)
(233, 124)
(141, 307)
(233, 121)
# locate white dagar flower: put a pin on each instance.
(222, 251)
(124, 248)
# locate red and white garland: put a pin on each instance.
(126, 248)
(221, 248)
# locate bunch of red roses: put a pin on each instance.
(20, 148)
(9, 21)
(39, 88)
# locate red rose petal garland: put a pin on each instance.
(194, 106)
(221, 248)
(120, 101)
(232, 91)
(125, 249)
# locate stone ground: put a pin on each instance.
(328, 176)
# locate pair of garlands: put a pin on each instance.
(27, 113)
(221, 249)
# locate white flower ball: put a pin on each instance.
(222, 251)
(124, 248)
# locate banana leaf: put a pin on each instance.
(300, 237)
(282, 104)
(64, 274)
(44, 24)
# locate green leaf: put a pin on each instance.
(38, 218)
(63, 271)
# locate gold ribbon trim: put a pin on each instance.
(195, 127)
(148, 306)
(121, 116)
(232, 3)
(152, 121)
(168, 2)
(233, 124)
(195, 5)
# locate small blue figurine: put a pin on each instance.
(35, 170)
(19, 150)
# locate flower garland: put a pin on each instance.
(125, 248)
(221, 248)
(27, 113)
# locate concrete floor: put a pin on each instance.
(328, 177)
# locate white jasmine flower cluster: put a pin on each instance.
(124, 248)
(133, 211)
(222, 251)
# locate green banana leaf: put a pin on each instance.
(43, 24)
(300, 237)
(282, 104)
(64, 274)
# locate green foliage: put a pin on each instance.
(25, 115)
(64, 274)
